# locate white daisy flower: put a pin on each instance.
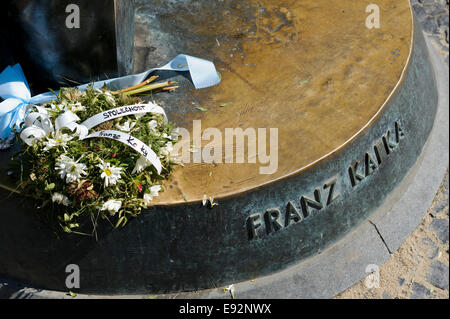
(58, 139)
(60, 199)
(127, 126)
(153, 125)
(231, 289)
(50, 107)
(110, 98)
(62, 106)
(111, 174)
(139, 115)
(76, 107)
(69, 169)
(154, 192)
(112, 206)
(210, 200)
(141, 164)
(147, 199)
(175, 134)
(165, 151)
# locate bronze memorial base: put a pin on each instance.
(353, 108)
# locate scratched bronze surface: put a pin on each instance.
(310, 68)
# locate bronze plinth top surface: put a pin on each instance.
(310, 68)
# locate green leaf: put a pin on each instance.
(50, 187)
(201, 109)
(67, 229)
(226, 104)
(72, 294)
(120, 221)
(53, 92)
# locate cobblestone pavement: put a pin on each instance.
(433, 15)
(420, 268)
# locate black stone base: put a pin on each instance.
(189, 247)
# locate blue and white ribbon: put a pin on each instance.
(15, 91)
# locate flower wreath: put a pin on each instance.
(97, 177)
